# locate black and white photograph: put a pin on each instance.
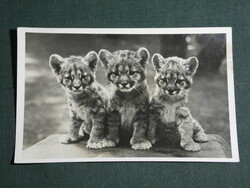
(103, 95)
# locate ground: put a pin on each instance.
(46, 110)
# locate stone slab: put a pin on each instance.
(50, 148)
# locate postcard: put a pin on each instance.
(105, 95)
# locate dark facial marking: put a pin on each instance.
(172, 80)
(75, 75)
(125, 68)
(124, 72)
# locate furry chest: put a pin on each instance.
(127, 113)
(82, 111)
(168, 113)
(168, 133)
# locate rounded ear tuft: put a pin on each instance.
(105, 56)
(158, 61)
(92, 59)
(144, 55)
(191, 65)
(55, 62)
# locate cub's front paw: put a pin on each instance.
(192, 147)
(201, 137)
(107, 143)
(81, 132)
(142, 145)
(66, 139)
(91, 144)
(152, 140)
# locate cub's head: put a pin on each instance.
(174, 75)
(75, 73)
(125, 69)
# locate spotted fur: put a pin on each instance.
(170, 117)
(87, 100)
(128, 111)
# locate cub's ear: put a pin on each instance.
(158, 62)
(143, 54)
(191, 64)
(105, 56)
(55, 62)
(92, 59)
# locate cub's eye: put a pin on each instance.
(83, 76)
(162, 83)
(131, 73)
(115, 74)
(181, 82)
(68, 77)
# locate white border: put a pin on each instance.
(21, 90)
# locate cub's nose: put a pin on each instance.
(124, 84)
(77, 87)
(171, 91)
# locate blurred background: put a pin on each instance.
(46, 109)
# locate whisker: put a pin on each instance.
(88, 92)
(105, 82)
(138, 92)
(56, 87)
(140, 88)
